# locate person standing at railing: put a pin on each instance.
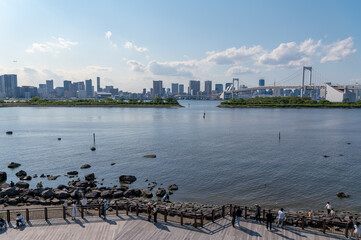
(357, 231)
(258, 213)
(328, 207)
(239, 215)
(74, 213)
(234, 211)
(269, 220)
(84, 203)
(349, 226)
(155, 212)
(105, 207)
(281, 218)
(149, 211)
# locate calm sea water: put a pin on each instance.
(231, 156)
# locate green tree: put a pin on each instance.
(157, 100)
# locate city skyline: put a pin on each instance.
(131, 44)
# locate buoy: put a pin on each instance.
(204, 115)
(9, 132)
(59, 139)
(93, 148)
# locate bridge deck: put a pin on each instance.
(129, 227)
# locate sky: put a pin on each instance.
(129, 44)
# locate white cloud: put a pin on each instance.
(55, 46)
(130, 45)
(136, 66)
(170, 68)
(108, 34)
(338, 51)
(240, 70)
(290, 54)
(98, 69)
(234, 55)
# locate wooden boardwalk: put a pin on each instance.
(131, 227)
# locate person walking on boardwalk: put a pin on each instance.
(357, 231)
(155, 212)
(239, 215)
(258, 213)
(105, 207)
(74, 213)
(349, 227)
(234, 215)
(149, 211)
(84, 203)
(269, 220)
(328, 207)
(281, 218)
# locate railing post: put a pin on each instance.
(165, 215)
(27, 215)
(213, 215)
(245, 212)
(8, 215)
(201, 219)
(324, 226)
(64, 212)
(230, 209)
(82, 211)
(46, 213)
(223, 210)
(116, 209)
(127, 208)
(137, 209)
(264, 215)
(195, 220)
(100, 210)
(303, 222)
(181, 218)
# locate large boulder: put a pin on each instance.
(147, 193)
(72, 173)
(134, 192)
(3, 176)
(93, 194)
(85, 166)
(61, 194)
(26, 178)
(14, 165)
(118, 194)
(38, 191)
(127, 179)
(9, 191)
(82, 184)
(51, 177)
(172, 187)
(55, 201)
(22, 185)
(48, 193)
(342, 195)
(61, 187)
(90, 177)
(160, 192)
(106, 194)
(21, 173)
(77, 194)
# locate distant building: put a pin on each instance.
(89, 88)
(261, 83)
(181, 89)
(175, 88)
(42, 90)
(67, 85)
(208, 87)
(194, 87)
(8, 85)
(337, 95)
(49, 87)
(157, 89)
(219, 88)
(28, 92)
(98, 85)
(144, 91)
(59, 91)
(79, 86)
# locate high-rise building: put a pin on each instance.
(49, 87)
(261, 83)
(67, 85)
(28, 92)
(89, 88)
(98, 85)
(157, 88)
(8, 85)
(181, 89)
(219, 88)
(194, 87)
(175, 88)
(144, 91)
(228, 85)
(208, 87)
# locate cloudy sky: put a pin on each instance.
(130, 43)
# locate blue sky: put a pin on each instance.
(130, 43)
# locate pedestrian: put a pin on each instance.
(149, 211)
(84, 203)
(239, 215)
(65, 204)
(12, 184)
(19, 220)
(74, 213)
(281, 218)
(234, 215)
(258, 213)
(105, 207)
(328, 207)
(357, 231)
(155, 212)
(349, 227)
(310, 213)
(269, 220)
(332, 213)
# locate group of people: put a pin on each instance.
(151, 209)
(84, 202)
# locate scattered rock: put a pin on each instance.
(326, 156)
(147, 193)
(118, 194)
(48, 193)
(61, 194)
(26, 178)
(3, 176)
(150, 156)
(9, 191)
(146, 180)
(85, 166)
(14, 165)
(21, 173)
(127, 179)
(22, 185)
(92, 148)
(90, 177)
(172, 187)
(112, 164)
(341, 155)
(348, 143)
(160, 192)
(50, 177)
(134, 192)
(9, 132)
(106, 194)
(61, 187)
(59, 139)
(72, 173)
(342, 195)
(35, 175)
(42, 175)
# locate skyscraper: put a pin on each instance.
(49, 87)
(181, 89)
(98, 85)
(208, 87)
(8, 85)
(219, 88)
(67, 85)
(261, 83)
(194, 87)
(89, 88)
(175, 88)
(157, 88)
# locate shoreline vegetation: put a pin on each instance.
(107, 102)
(286, 102)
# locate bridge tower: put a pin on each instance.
(235, 87)
(303, 79)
